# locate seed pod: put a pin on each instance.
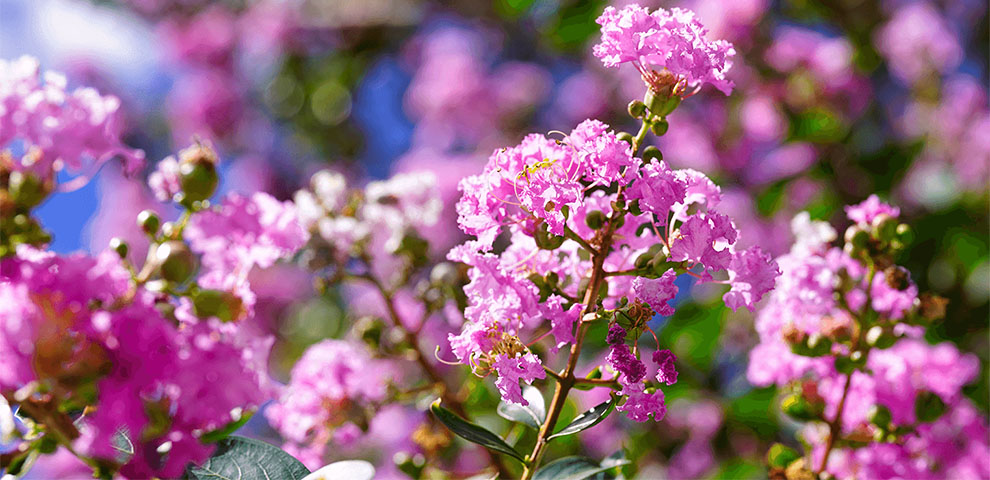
(595, 219)
(149, 222)
(637, 109)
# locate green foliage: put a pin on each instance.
(579, 468)
(247, 459)
(586, 419)
(473, 433)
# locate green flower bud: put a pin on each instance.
(879, 415)
(878, 337)
(625, 137)
(595, 219)
(176, 261)
(797, 407)
(217, 303)
(780, 456)
(884, 227)
(149, 222)
(643, 261)
(118, 245)
(660, 127)
(198, 173)
(634, 207)
(857, 239)
(546, 240)
(637, 109)
(652, 153)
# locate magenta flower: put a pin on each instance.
(665, 42)
(666, 371)
(868, 209)
(656, 292)
(511, 370)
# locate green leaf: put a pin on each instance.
(473, 433)
(531, 415)
(240, 458)
(349, 469)
(577, 468)
(586, 420)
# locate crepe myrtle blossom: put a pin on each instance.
(56, 128)
(548, 196)
(843, 331)
(332, 380)
(668, 47)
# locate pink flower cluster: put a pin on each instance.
(332, 381)
(549, 198)
(70, 321)
(77, 130)
(822, 297)
(665, 41)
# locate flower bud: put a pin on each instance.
(797, 407)
(928, 406)
(176, 261)
(643, 261)
(780, 456)
(217, 303)
(884, 227)
(546, 240)
(881, 338)
(879, 415)
(118, 245)
(634, 206)
(857, 239)
(595, 219)
(660, 127)
(637, 109)
(625, 137)
(652, 153)
(904, 234)
(198, 173)
(149, 222)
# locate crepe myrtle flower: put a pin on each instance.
(668, 47)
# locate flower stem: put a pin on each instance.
(447, 393)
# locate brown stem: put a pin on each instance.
(566, 379)
(449, 398)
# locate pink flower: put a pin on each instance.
(77, 130)
(665, 40)
(666, 371)
(164, 181)
(866, 211)
(640, 405)
(657, 292)
(752, 274)
(511, 370)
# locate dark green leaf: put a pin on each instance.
(532, 415)
(587, 419)
(576, 468)
(239, 458)
(473, 433)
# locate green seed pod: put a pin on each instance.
(625, 137)
(856, 238)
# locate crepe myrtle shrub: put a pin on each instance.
(588, 227)
(843, 338)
